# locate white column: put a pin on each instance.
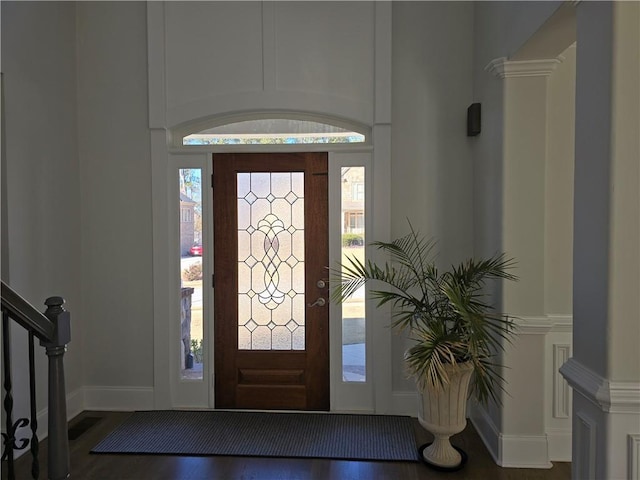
(605, 368)
(522, 439)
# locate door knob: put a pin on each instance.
(320, 302)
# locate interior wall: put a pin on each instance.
(431, 167)
(297, 56)
(41, 199)
(561, 109)
(500, 29)
(116, 215)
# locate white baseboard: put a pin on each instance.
(75, 403)
(559, 441)
(404, 403)
(118, 398)
(511, 451)
(524, 451)
(487, 430)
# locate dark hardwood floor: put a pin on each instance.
(86, 466)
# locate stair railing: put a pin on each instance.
(53, 329)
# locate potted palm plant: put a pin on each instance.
(455, 330)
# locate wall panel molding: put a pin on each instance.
(156, 64)
(561, 390)
(634, 456)
(585, 454)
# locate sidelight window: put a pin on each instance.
(191, 250)
(353, 245)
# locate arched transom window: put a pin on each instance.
(274, 131)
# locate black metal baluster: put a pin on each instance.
(9, 439)
(35, 465)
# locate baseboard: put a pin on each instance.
(510, 451)
(524, 451)
(487, 431)
(404, 403)
(75, 403)
(118, 398)
(559, 441)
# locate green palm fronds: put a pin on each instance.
(448, 313)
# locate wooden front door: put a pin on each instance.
(270, 278)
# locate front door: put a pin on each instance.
(270, 278)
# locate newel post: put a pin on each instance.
(58, 444)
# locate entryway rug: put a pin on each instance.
(297, 435)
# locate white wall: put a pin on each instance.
(431, 165)
(558, 266)
(271, 56)
(41, 188)
(114, 151)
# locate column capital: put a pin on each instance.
(505, 68)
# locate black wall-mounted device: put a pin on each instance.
(473, 119)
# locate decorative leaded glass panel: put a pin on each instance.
(271, 261)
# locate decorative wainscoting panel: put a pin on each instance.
(585, 455)
(561, 390)
(558, 350)
(634, 457)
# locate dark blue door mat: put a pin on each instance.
(294, 435)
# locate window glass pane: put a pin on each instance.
(271, 261)
(353, 241)
(273, 131)
(191, 330)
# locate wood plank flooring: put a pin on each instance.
(86, 466)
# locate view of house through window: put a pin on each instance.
(191, 273)
(353, 241)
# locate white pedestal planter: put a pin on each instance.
(444, 413)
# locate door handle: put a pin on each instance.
(320, 302)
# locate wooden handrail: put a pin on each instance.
(27, 315)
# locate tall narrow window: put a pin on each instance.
(191, 249)
(353, 241)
